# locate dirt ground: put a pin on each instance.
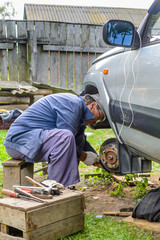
(99, 200)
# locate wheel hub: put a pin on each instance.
(109, 154)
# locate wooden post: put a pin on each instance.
(14, 172)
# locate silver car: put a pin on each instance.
(128, 81)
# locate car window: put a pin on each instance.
(153, 32)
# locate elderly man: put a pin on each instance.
(52, 130)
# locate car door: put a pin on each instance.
(138, 92)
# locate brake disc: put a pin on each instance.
(109, 155)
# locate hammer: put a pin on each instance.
(47, 190)
(51, 190)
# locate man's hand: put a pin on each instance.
(97, 164)
(91, 158)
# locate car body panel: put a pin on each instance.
(130, 92)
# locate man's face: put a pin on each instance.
(97, 113)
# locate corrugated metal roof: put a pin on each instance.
(86, 15)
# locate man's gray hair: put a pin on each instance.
(88, 99)
(94, 98)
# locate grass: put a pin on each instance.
(3, 156)
(95, 228)
(108, 229)
(97, 137)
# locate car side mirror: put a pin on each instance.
(120, 33)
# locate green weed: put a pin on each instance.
(119, 189)
(140, 189)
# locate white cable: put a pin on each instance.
(129, 96)
(134, 82)
(121, 108)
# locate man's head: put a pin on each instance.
(94, 104)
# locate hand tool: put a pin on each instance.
(33, 182)
(48, 190)
(21, 192)
(17, 195)
(37, 193)
(51, 190)
(43, 190)
(39, 189)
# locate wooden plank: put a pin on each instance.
(119, 214)
(92, 43)
(30, 25)
(70, 56)
(27, 205)
(77, 49)
(4, 236)
(54, 35)
(63, 35)
(38, 92)
(54, 89)
(11, 166)
(32, 55)
(26, 170)
(85, 36)
(3, 54)
(4, 228)
(131, 183)
(60, 210)
(142, 223)
(59, 229)
(23, 67)
(42, 30)
(14, 106)
(14, 100)
(78, 64)
(13, 217)
(11, 85)
(8, 174)
(6, 45)
(99, 38)
(12, 54)
(42, 92)
(12, 163)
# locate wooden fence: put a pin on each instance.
(58, 54)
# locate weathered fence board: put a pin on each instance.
(70, 59)
(24, 74)
(42, 30)
(63, 68)
(85, 35)
(78, 61)
(58, 54)
(91, 44)
(3, 53)
(54, 36)
(12, 54)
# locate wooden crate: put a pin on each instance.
(59, 217)
(14, 172)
